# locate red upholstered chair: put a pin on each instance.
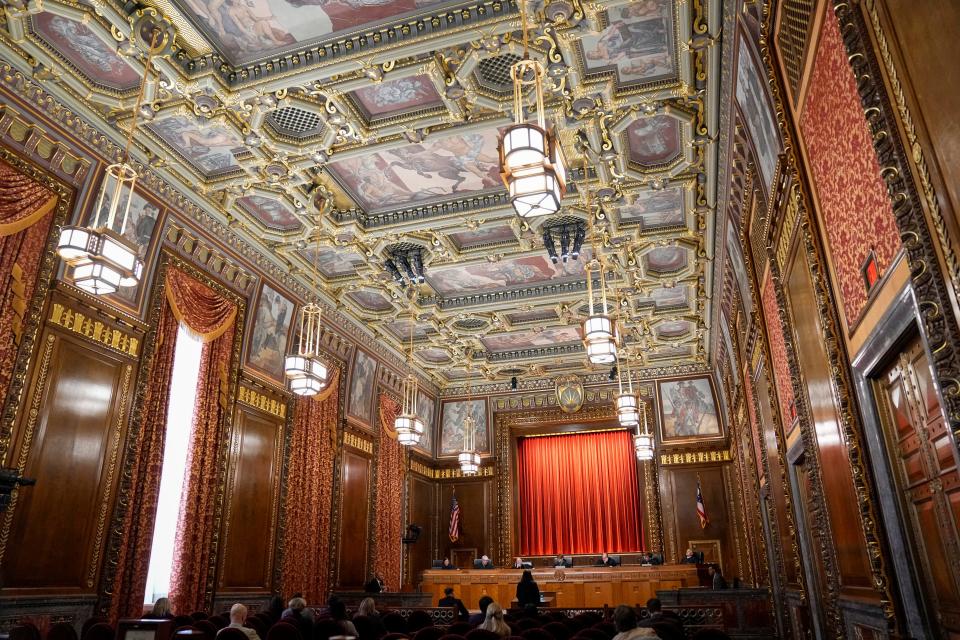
(258, 625)
(208, 628)
(62, 631)
(607, 627)
(283, 631)
(395, 623)
(522, 624)
(452, 636)
(536, 634)
(199, 615)
(99, 631)
(89, 623)
(558, 630)
(418, 620)
(396, 636)
(429, 633)
(232, 633)
(591, 634)
(220, 621)
(481, 634)
(182, 621)
(459, 628)
(25, 631)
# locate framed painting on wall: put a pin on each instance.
(426, 410)
(363, 378)
(452, 433)
(269, 334)
(688, 410)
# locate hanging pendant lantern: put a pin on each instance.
(408, 426)
(643, 440)
(469, 457)
(599, 338)
(306, 371)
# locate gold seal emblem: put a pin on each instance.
(569, 393)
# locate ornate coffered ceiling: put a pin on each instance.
(364, 123)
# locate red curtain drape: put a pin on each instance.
(25, 222)
(209, 315)
(306, 535)
(388, 514)
(579, 494)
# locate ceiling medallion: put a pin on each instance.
(569, 390)
(531, 160)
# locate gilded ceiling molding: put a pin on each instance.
(860, 27)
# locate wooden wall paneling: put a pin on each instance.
(679, 489)
(69, 439)
(421, 503)
(252, 502)
(356, 471)
(476, 513)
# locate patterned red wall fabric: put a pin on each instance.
(857, 215)
(388, 513)
(778, 350)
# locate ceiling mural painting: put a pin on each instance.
(325, 132)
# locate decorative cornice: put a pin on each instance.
(263, 402)
(94, 330)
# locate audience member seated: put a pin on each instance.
(375, 584)
(307, 613)
(99, 631)
(607, 560)
(625, 619)
(558, 630)
(447, 564)
(199, 615)
(528, 593)
(182, 621)
(394, 623)
(668, 627)
(160, 610)
(417, 620)
(494, 620)
(275, 608)
(258, 624)
(367, 620)
(208, 628)
(238, 615)
(477, 619)
(690, 558)
(448, 600)
(89, 622)
(561, 561)
(485, 563)
(62, 631)
(717, 577)
(284, 631)
(296, 614)
(338, 613)
(229, 633)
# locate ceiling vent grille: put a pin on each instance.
(296, 122)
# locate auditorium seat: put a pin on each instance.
(481, 634)
(62, 631)
(452, 636)
(418, 620)
(429, 633)
(99, 631)
(558, 630)
(283, 631)
(25, 631)
(89, 622)
(232, 633)
(591, 634)
(258, 625)
(324, 628)
(522, 624)
(459, 628)
(199, 615)
(220, 621)
(182, 621)
(607, 628)
(207, 627)
(396, 636)
(394, 623)
(536, 634)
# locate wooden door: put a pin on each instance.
(922, 453)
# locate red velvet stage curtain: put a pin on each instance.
(388, 513)
(208, 315)
(211, 316)
(25, 208)
(578, 494)
(306, 535)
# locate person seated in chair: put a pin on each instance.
(375, 584)
(478, 618)
(238, 615)
(652, 559)
(485, 563)
(299, 616)
(625, 621)
(666, 623)
(447, 564)
(561, 561)
(448, 600)
(690, 558)
(518, 563)
(607, 561)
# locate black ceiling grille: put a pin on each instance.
(495, 71)
(296, 122)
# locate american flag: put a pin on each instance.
(701, 510)
(454, 518)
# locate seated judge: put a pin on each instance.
(485, 563)
(447, 564)
(561, 561)
(651, 559)
(448, 600)
(690, 558)
(607, 561)
(375, 585)
(528, 592)
(518, 563)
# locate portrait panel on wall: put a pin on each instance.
(452, 432)
(426, 410)
(268, 337)
(362, 382)
(752, 98)
(140, 230)
(688, 410)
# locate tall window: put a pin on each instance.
(183, 397)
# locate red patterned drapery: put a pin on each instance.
(202, 311)
(388, 511)
(211, 316)
(25, 220)
(133, 553)
(309, 495)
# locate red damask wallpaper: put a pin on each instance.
(778, 351)
(857, 214)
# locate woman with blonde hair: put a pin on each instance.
(368, 607)
(494, 621)
(160, 611)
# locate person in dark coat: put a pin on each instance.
(448, 600)
(528, 593)
(478, 618)
(666, 623)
